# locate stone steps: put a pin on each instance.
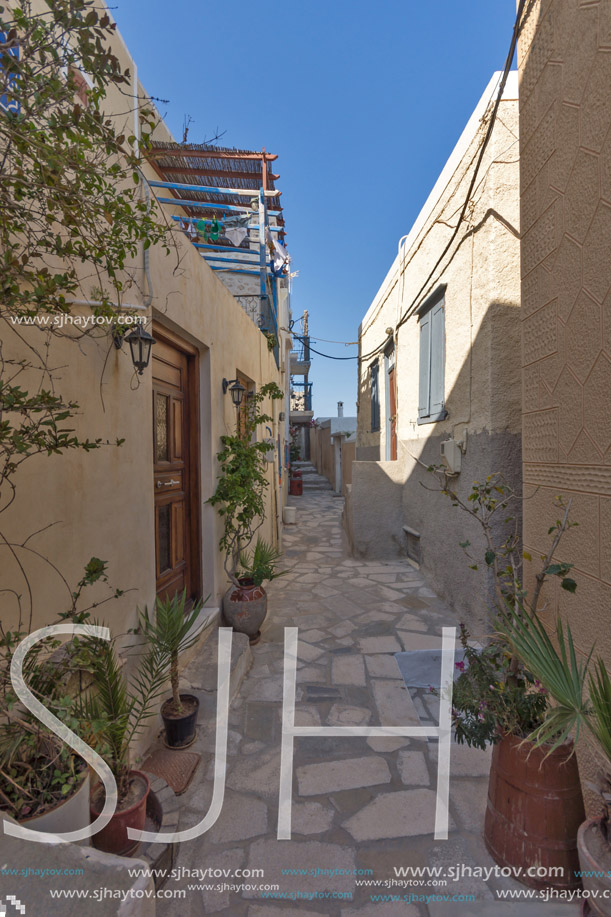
(313, 482)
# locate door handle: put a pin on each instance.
(167, 483)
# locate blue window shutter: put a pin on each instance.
(424, 389)
(437, 358)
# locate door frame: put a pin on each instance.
(390, 363)
(161, 333)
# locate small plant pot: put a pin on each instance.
(245, 608)
(113, 838)
(296, 487)
(180, 729)
(595, 862)
(69, 815)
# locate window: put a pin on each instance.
(431, 393)
(374, 371)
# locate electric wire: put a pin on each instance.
(517, 28)
(512, 47)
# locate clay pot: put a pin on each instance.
(534, 810)
(245, 607)
(296, 487)
(69, 815)
(113, 838)
(595, 859)
(180, 730)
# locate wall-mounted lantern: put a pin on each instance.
(140, 345)
(237, 390)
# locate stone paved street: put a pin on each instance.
(360, 806)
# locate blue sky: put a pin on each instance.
(362, 102)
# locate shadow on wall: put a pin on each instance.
(386, 498)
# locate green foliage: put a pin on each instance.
(262, 563)
(242, 482)
(65, 198)
(272, 340)
(169, 633)
(566, 678)
(116, 709)
(38, 770)
(71, 206)
(491, 699)
(501, 690)
(294, 450)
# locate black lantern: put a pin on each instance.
(237, 390)
(140, 343)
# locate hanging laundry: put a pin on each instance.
(236, 236)
(189, 229)
(280, 258)
(215, 230)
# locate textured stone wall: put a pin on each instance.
(482, 367)
(565, 156)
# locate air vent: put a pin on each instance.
(413, 544)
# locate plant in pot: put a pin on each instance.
(498, 700)
(239, 499)
(112, 714)
(245, 608)
(587, 715)
(170, 632)
(44, 784)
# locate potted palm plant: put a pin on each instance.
(239, 501)
(44, 783)
(171, 633)
(584, 713)
(245, 607)
(498, 700)
(112, 714)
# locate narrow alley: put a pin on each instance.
(361, 807)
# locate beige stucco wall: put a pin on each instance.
(482, 376)
(321, 452)
(348, 455)
(101, 503)
(565, 137)
(332, 455)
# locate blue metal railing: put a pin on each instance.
(301, 393)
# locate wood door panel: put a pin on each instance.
(177, 430)
(174, 471)
(167, 483)
(392, 383)
(178, 534)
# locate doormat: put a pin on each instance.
(422, 668)
(175, 767)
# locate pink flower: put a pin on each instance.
(460, 665)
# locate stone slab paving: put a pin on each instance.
(362, 807)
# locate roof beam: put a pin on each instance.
(215, 173)
(187, 152)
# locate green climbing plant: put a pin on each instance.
(239, 497)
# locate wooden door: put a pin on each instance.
(174, 478)
(392, 397)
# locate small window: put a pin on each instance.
(431, 392)
(374, 371)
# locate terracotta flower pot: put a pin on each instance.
(595, 859)
(534, 810)
(245, 607)
(113, 838)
